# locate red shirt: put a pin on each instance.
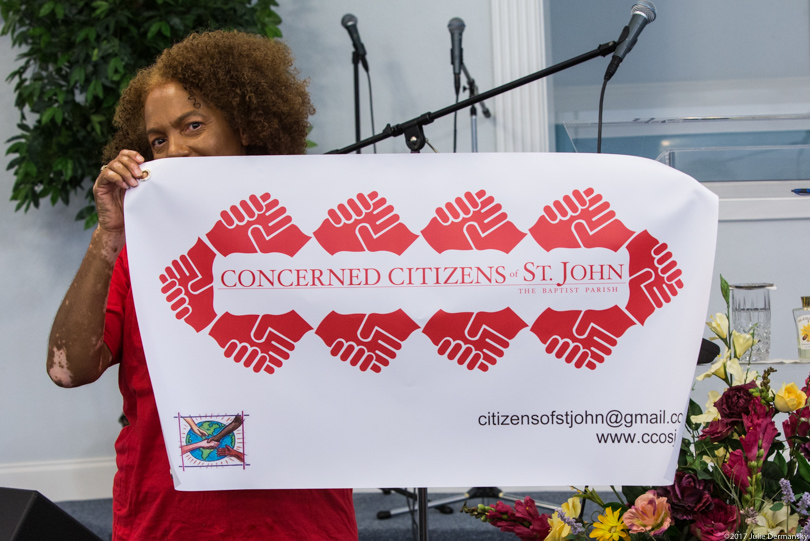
(145, 504)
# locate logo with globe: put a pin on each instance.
(212, 440)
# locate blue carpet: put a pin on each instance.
(97, 516)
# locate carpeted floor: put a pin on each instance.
(97, 516)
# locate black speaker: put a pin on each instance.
(27, 515)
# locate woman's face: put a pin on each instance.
(175, 127)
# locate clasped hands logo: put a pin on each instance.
(368, 223)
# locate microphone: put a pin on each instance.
(456, 27)
(349, 22)
(642, 14)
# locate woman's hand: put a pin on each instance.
(115, 178)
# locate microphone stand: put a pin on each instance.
(356, 64)
(471, 86)
(413, 129)
(415, 140)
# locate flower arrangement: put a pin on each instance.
(737, 476)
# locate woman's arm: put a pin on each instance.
(76, 351)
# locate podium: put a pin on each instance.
(27, 515)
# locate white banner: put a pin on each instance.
(431, 320)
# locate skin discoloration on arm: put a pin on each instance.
(58, 369)
(77, 354)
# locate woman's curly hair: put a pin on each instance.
(248, 77)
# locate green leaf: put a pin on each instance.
(91, 221)
(703, 474)
(804, 467)
(154, 29)
(115, 69)
(101, 9)
(77, 76)
(777, 506)
(724, 289)
(47, 8)
(694, 409)
(59, 9)
(771, 474)
(779, 460)
(631, 492)
(48, 115)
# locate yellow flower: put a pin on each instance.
(609, 527)
(718, 368)
(742, 343)
(710, 413)
(559, 529)
(734, 370)
(772, 523)
(719, 325)
(719, 458)
(806, 333)
(789, 398)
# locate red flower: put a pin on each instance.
(735, 402)
(797, 424)
(524, 520)
(688, 496)
(718, 430)
(736, 469)
(759, 434)
(717, 524)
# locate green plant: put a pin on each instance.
(78, 55)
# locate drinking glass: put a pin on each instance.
(751, 310)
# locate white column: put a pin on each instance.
(523, 117)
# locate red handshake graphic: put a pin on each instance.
(475, 340)
(370, 342)
(367, 341)
(261, 342)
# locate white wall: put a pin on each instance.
(56, 430)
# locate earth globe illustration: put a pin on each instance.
(211, 428)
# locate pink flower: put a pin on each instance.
(736, 468)
(649, 514)
(759, 434)
(717, 524)
(524, 520)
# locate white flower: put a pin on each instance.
(719, 325)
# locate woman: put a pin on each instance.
(213, 94)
